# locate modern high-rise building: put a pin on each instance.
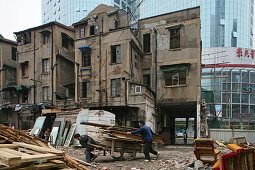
(224, 23)
(68, 12)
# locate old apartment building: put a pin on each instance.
(8, 83)
(171, 66)
(45, 72)
(46, 63)
(109, 65)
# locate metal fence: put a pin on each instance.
(225, 134)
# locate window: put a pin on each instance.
(175, 78)
(174, 38)
(82, 32)
(116, 54)
(147, 80)
(14, 53)
(147, 43)
(138, 89)
(117, 1)
(46, 39)
(46, 93)
(92, 30)
(24, 38)
(115, 87)
(45, 65)
(24, 68)
(86, 91)
(24, 96)
(86, 58)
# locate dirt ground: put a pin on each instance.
(171, 157)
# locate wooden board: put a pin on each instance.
(29, 151)
(6, 157)
(9, 146)
(38, 148)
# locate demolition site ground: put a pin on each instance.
(171, 157)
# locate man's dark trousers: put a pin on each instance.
(88, 154)
(148, 149)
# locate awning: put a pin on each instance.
(16, 88)
(85, 48)
(174, 68)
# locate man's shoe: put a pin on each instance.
(94, 158)
(157, 155)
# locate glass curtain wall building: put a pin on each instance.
(70, 11)
(224, 23)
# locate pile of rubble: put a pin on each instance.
(18, 150)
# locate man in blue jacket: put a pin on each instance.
(147, 139)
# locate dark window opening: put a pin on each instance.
(175, 78)
(24, 68)
(14, 53)
(115, 54)
(147, 80)
(24, 96)
(92, 30)
(146, 43)
(67, 41)
(174, 38)
(24, 38)
(86, 58)
(115, 87)
(46, 37)
(86, 91)
(46, 93)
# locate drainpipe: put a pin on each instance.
(34, 82)
(156, 66)
(52, 65)
(100, 63)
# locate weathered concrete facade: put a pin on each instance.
(112, 78)
(172, 59)
(46, 63)
(8, 80)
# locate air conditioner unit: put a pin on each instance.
(138, 89)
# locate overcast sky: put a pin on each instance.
(18, 15)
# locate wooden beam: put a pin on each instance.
(39, 149)
(29, 151)
(11, 146)
(6, 157)
(13, 152)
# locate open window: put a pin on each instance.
(82, 32)
(175, 75)
(86, 89)
(147, 43)
(24, 38)
(24, 69)
(175, 36)
(92, 30)
(45, 37)
(14, 53)
(67, 41)
(115, 54)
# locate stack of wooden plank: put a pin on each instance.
(120, 133)
(26, 156)
(10, 136)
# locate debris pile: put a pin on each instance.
(17, 142)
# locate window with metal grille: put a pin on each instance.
(86, 58)
(115, 87)
(147, 43)
(175, 78)
(116, 54)
(82, 33)
(174, 38)
(45, 65)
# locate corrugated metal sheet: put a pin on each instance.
(225, 134)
